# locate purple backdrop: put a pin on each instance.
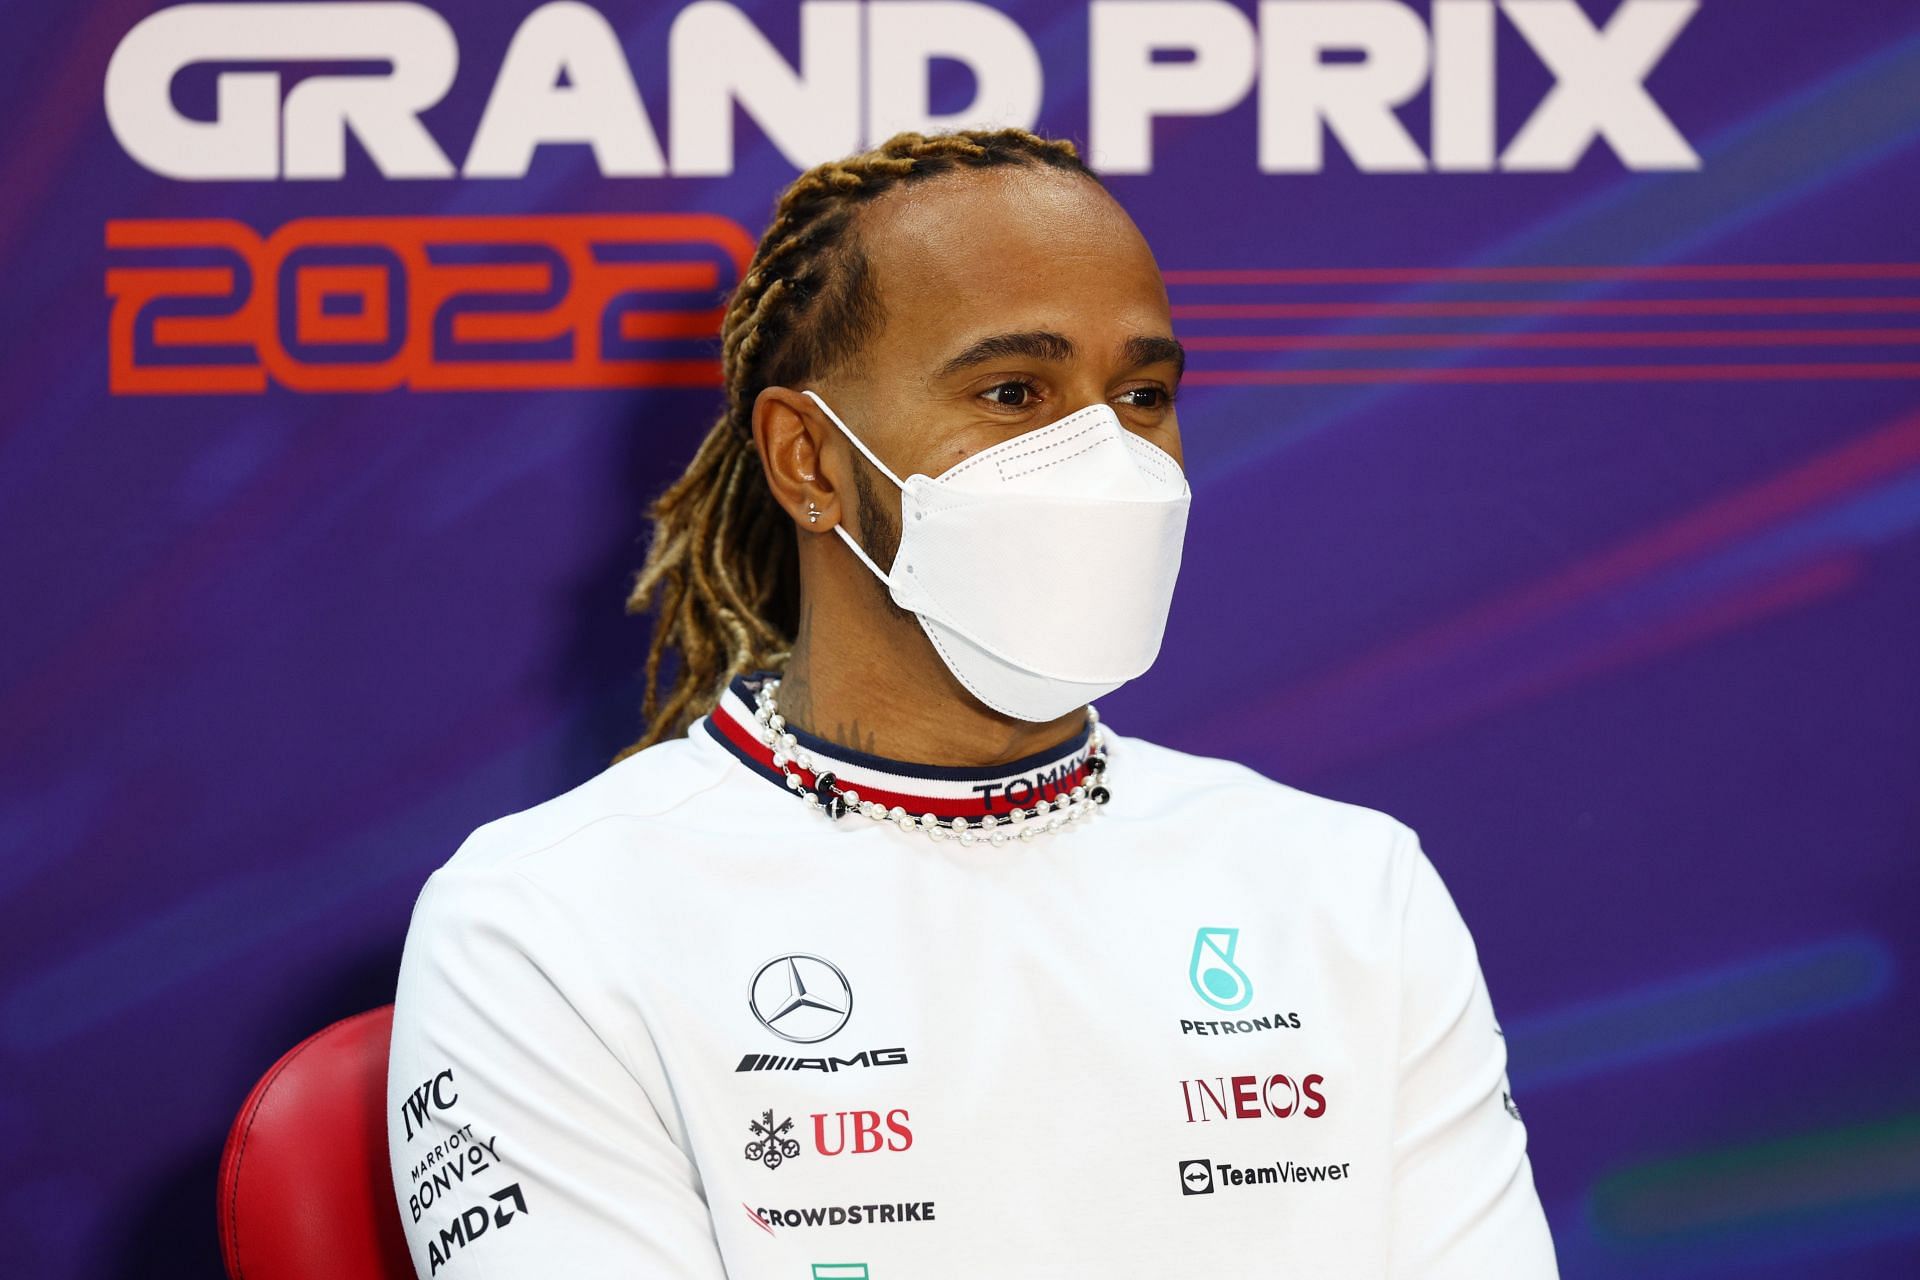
(1569, 511)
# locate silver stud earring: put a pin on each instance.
(813, 513)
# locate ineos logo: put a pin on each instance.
(1251, 1097)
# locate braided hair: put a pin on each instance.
(721, 574)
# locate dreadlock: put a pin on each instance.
(722, 571)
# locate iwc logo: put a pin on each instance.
(801, 997)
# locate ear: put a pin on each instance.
(789, 433)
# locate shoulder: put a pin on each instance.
(562, 859)
(1213, 782)
(543, 878)
(646, 787)
(1332, 851)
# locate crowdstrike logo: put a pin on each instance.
(844, 1215)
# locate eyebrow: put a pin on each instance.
(1037, 344)
(1045, 344)
(1139, 352)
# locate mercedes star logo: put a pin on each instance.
(801, 998)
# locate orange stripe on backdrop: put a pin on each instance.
(1548, 308)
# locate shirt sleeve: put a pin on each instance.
(1463, 1202)
(522, 1147)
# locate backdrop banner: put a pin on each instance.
(1552, 416)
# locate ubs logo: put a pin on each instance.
(835, 1133)
(858, 1132)
(771, 1146)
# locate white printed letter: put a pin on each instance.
(903, 38)
(599, 104)
(1463, 85)
(1356, 99)
(1599, 90)
(1129, 89)
(243, 138)
(718, 57)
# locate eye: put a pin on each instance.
(1017, 394)
(1147, 397)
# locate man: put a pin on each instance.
(880, 955)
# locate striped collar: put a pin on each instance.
(946, 793)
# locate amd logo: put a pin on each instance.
(864, 71)
(474, 1222)
(436, 1094)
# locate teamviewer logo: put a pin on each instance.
(1196, 1177)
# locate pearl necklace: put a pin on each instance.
(828, 796)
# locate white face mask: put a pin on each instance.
(1041, 568)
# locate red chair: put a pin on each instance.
(306, 1192)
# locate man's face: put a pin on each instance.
(1012, 298)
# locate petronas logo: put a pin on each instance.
(1215, 977)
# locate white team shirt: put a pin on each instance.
(675, 1023)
